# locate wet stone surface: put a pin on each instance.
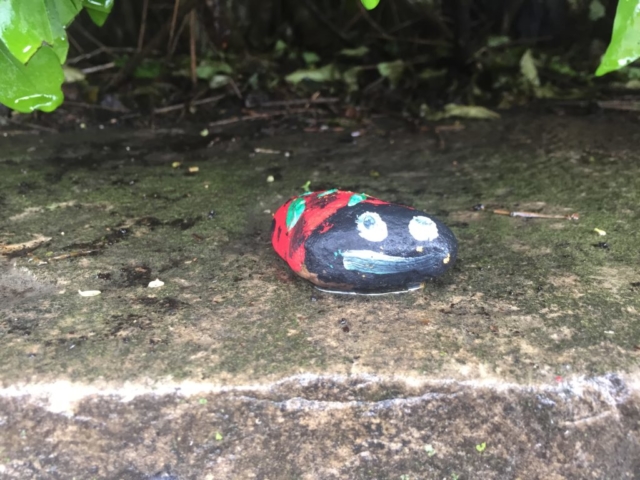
(529, 345)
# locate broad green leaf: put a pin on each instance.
(149, 68)
(596, 10)
(34, 86)
(208, 68)
(327, 73)
(60, 13)
(350, 77)
(429, 73)
(469, 111)
(392, 70)
(310, 58)
(497, 41)
(625, 40)
(72, 74)
(98, 16)
(529, 70)
(102, 5)
(218, 81)
(279, 48)
(98, 10)
(24, 25)
(67, 9)
(354, 52)
(370, 4)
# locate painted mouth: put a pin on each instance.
(368, 261)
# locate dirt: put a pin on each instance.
(532, 306)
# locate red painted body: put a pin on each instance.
(289, 243)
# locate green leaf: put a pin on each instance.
(625, 40)
(429, 73)
(72, 75)
(327, 73)
(370, 4)
(279, 48)
(61, 13)
(596, 10)
(97, 16)
(218, 436)
(149, 68)
(208, 68)
(102, 5)
(34, 86)
(98, 10)
(430, 450)
(67, 9)
(497, 41)
(218, 81)
(529, 70)
(350, 77)
(354, 52)
(310, 58)
(24, 25)
(469, 111)
(480, 448)
(392, 70)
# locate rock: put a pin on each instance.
(353, 243)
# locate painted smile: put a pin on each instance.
(368, 261)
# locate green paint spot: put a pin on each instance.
(296, 208)
(356, 198)
(327, 192)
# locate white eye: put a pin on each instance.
(423, 229)
(371, 227)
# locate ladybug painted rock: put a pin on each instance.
(353, 243)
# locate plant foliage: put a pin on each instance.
(33, 47)
(624, 47)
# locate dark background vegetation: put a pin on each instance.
(473, 47)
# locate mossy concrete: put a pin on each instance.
(531, 303)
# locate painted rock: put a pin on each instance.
(353, 243)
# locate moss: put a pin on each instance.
(526, 296)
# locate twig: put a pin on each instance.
(174, 19)
(71, 103)
(143, 24)
(192, 47)
(261, 116)
(98, 68)
(373, 23)
(97, 51)
(81, 253)
(298, 101)
(128, 69)
(176, 37)
(325, 21)
(573, 216)
(24, 247)
(417, 41)
(619, 105)
(173, 108)
(93, 39)
(33, 125)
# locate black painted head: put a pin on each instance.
(378, 248)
